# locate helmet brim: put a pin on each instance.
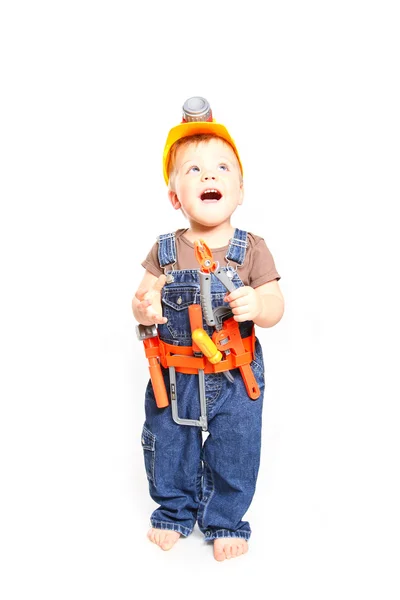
(193, 128)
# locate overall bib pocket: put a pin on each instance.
(176, 301)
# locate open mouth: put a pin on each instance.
(211, 195)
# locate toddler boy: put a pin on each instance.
(210, 482)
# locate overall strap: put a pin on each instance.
(237, 247)
(166, 249)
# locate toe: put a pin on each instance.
(219, 553)
(167, 543)
(150, 535)
(228, 551)
(170, 540)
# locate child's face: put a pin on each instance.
(206, 183)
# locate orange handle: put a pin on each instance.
(157, 379)
(158, 384)
(250, 382)
(196, 322)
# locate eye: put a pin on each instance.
(194, 169)
(223, 167)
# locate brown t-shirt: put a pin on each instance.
(258, 267)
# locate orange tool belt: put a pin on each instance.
(182, 358)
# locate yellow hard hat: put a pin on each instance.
(197, 118)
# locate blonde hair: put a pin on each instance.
(187, 141)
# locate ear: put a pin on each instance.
(241, 193)
(173, 198)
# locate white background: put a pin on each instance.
(310, 92)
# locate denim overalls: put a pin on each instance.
(211, 483)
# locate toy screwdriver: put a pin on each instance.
(202, 343)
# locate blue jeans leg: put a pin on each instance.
(172, 455)
(231, 458)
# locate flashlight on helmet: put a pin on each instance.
(196, 109)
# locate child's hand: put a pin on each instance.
(245, 303)
(147, 303)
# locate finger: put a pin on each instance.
(159, 284)
(243, 301)
(238, 293)
(140, 293)
(241, 310)
(159, 319)
(242, 318)
(151, 314)
(144, 304)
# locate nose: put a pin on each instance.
(209, 176)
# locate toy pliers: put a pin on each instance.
(227, 335)
(207, 267)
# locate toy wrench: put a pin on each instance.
(229, 338)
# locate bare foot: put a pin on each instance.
(229, 548)
(165, 538)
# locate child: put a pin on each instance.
(211, 482)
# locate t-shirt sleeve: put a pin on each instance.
(263, 267)
(151, 263)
